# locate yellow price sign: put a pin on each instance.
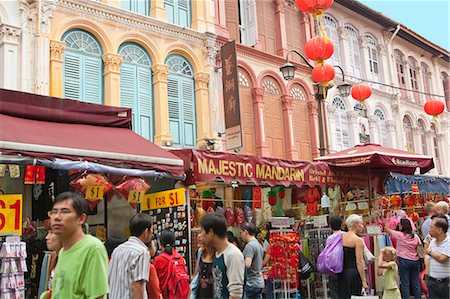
(135, 196)
(11, 214)
(94, 193)
(164, 199)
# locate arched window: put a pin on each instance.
(426, 76)
(399, 57)
(300, 122)
(179, 12)
(136, 87)
(412, 65)
(423, 138)
(341, 135)
(247, 120)
(352, 45)
(409, 137)
(273, 118)
(180, 89)
(373, 57)
(82, 67)
(383, 137)
(437, 156)
(331, 29)
(138, 6)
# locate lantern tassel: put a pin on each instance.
(322, 30)
(324, 86)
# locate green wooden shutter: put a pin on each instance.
(144, 97)
(174, 109)
(189, 128)
(72, 75)
(184, 13)
(169, 5)
(128, 89)
(92, 80)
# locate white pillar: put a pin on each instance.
(331, 119)
(9, 56)
(390, 128)
(352, 117)
(373, 130)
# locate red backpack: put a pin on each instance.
(177, 285)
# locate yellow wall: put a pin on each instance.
(111, 34)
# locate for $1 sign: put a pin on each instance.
(11, 214)
(164, 199)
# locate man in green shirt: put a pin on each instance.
(82, 267)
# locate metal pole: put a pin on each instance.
(321, 137)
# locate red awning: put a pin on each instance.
(116, 146)
(378, 157)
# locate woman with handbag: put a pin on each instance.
(352, 278)
(408, 259)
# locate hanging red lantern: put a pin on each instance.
(434, 108)
(361, 92)
(319, 49)
(323, 73)
(315, 7)
(272, 198)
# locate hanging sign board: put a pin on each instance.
(415, 189)
(280, 222)
(94, 193)
(230, 85)
(164, 199)
(11, 214)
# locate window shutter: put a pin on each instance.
(72, 75)
(188, 112)
(345, 133)
(128, 90)
(249, 35)
(183, 13)
(145, 102)
(92, 81)
(356, 57)
(174, 109)
(232, 18)
(170, 10)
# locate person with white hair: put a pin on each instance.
(352, 278)
(441, 208)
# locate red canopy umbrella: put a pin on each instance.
(375, 156)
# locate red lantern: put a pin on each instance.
(361, 92)
(396, 201)
(323, 73)
(272, 198)
(319, 49)
(315, 7)
(434, 107)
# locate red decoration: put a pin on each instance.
(361, 92)
(272, 198)
(284, 258)
(229, 216)
(408, 200)
(256, 200)
(434, 108)
(315, 7)
(323, 73)
(34, 174)
(91, 179)
(396, 200)
(130, 185)
(319, 49)
(239, 216)
(282, 193)
(414, 216)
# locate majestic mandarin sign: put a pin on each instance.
(164, 199)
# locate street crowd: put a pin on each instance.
(86, 268)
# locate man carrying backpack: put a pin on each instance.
(171, 269)
(129, 266)
(228, 264)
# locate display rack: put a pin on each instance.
(13, 266)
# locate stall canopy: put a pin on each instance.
(377, 157)
(207, 166)
(69, 134)
(399, 183)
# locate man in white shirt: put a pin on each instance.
(439, 252)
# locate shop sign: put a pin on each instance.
(135, 196)
(320, 221)
(94, 193)
(280, 222)
(164, 199)
(11, 214)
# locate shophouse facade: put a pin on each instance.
(403, 69)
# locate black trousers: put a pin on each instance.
(438, 288)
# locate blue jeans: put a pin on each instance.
(409, 278)
(252, 293)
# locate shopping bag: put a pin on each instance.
(364, 295)
(305, 266)
(331, 259)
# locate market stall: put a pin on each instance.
(50, 145)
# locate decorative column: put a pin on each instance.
(344, 51)
(202, 107)
(353, 127)
(291, 151)
(260, 134)
(56, 68)
(162, 131)
(111, 76)
(373, 130)
(392, 137)
(9, 56)
(198, 15)
(280, 27)
(436, 80)
(365, 64)
(313, 112)
(445, 146)
(157, 10)
(417, 139)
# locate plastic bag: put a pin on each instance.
(305, 266)
(331, 259)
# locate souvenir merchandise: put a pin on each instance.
(133, 190)
(13, 264)
(86, 183)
